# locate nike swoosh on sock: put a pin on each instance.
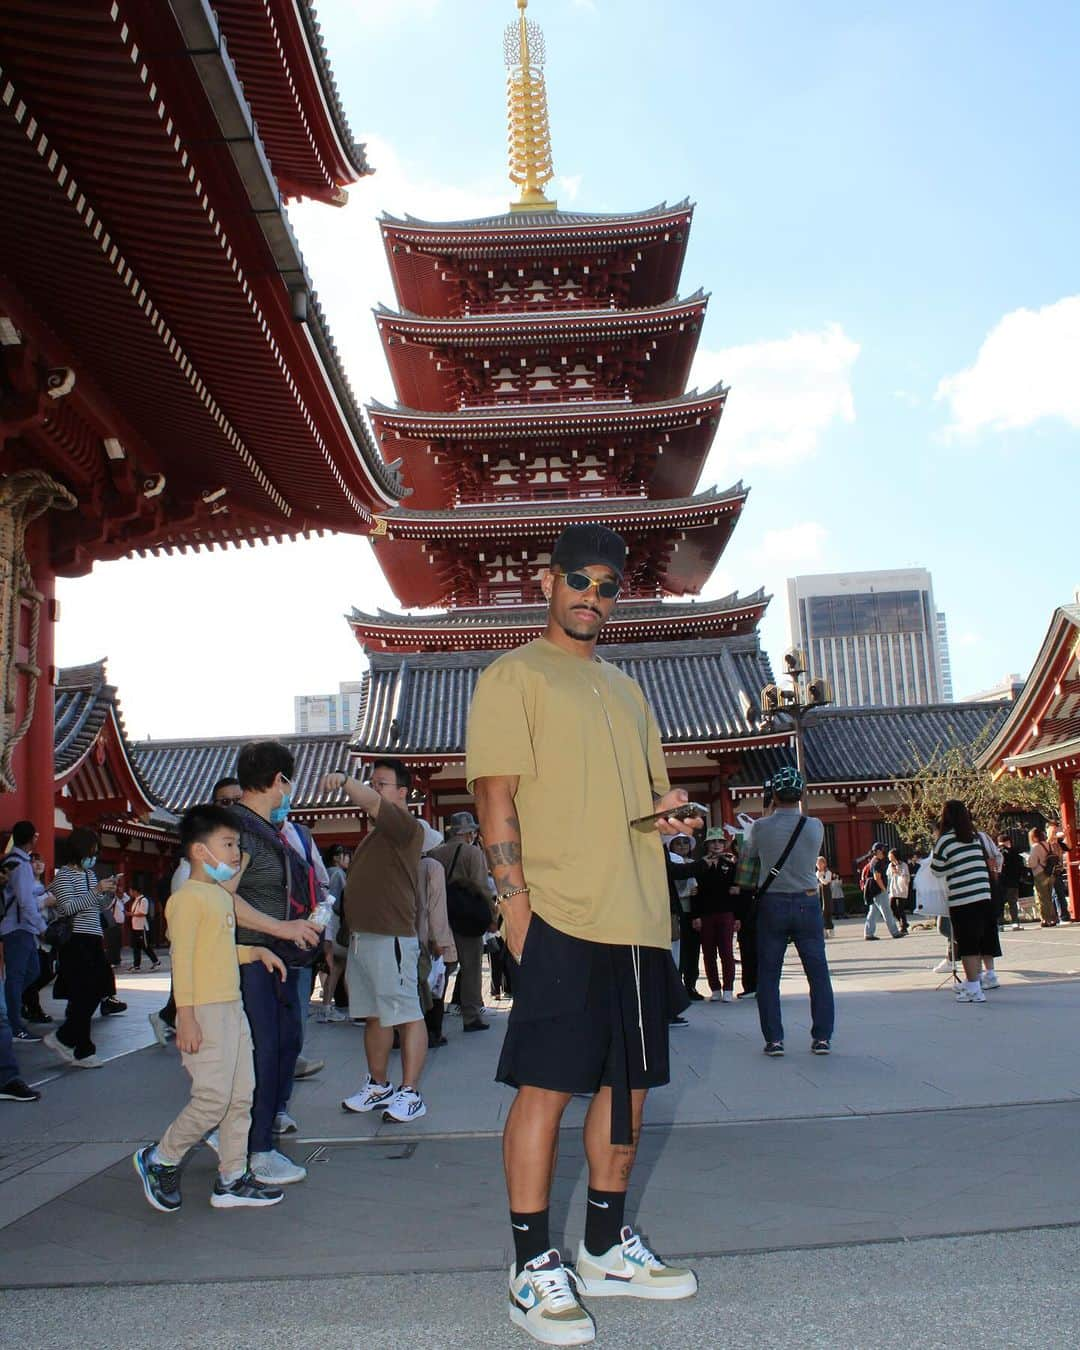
(600, 1204)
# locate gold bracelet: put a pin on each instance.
(509, 895)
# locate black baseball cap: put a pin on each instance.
(589, 546)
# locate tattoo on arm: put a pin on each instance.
(504, 855)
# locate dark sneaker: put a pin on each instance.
(111, 1006)
(694, 996)
(15, 1090)
(820, 1048)
(477, 1026)
(246, 1192)
(747, 993)
(774, 1049)
(25, 1037)
(161, 1184)
(679, 1022)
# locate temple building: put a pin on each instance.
(540, 359)
(167, 379)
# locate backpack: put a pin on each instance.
(468, 911)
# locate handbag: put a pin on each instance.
(58, 932)
(468, 911)
(931, 893)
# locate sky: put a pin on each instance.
(886, 216)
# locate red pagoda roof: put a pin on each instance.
(278, 51)
(417, 250)
(150, 268)
(437, 557)
(671, 439)
(656, 370)
(499, 629)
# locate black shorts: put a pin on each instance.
(588, 1015)
(975, 929)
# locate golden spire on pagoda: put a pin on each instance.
(526, 99)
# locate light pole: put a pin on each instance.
(804, 695)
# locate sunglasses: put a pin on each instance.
(581, 581)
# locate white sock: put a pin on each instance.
(972, 986)
(227, 1178)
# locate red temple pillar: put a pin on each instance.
(32, 763)
(1067, 789)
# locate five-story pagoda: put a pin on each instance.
(540, 360)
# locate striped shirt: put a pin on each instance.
(77, 899)
(964, 868)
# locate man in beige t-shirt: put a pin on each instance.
(562, 755)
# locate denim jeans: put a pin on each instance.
(273, 1013)
(9, 1068)
(785, 917)
(21, 960)
(880, 905)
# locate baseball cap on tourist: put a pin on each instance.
(715, 832)
(589, 546)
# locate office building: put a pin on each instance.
(943, 658)
(323, 713)
(875, 636)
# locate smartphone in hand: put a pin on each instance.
(684, 812)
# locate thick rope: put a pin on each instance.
(24, 496)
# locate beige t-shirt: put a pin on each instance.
(585, 747)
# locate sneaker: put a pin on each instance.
(774, 1049)
(716, 996)
(308, 1068)
(161, 1184)
(36, 1016)
(1018, 927)
(694, 996)
(405, 1105)
(246, 1192)
(156, 965)
(727, 996)
(820, 1048)
(284, 1124)
(970, 996)
(679, 1022)
(161, 1029)
(478, 1025)
(57, 1046)
(436, 1042)
(275, 1169)
(88, 1062)
(631, 1270)
(24, 1037)
(747, 993)
(111, 1006)
(989, 980)
(943, 967)
(370, 1096)
(15, 1090)
(543, 1303)
(870, 937)
(331, 1014)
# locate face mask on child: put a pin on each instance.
(220, 871)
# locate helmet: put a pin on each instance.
(787, 784)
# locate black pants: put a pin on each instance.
(434, 1018)
(87, 976)
(140, 942)
(168, 1013)
(500, 969)
(689, 953)
(32, 993)
(114, 943)
(747, 939)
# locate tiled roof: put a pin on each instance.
(355, 149)
(83, 701)
(538, 220)
(878, 745)
(182, 773)
(550, 413)
(533, 616)
(594, 508)
(417, 705)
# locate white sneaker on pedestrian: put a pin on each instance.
(716, 996)
(989, 980)
(275, 1169)
(727, 996)
(967, 995)
(405, 1105)
(338, 1015)
(631, 1270)
(371, 1096)
(161, 1029)
(943, 967)
(543, 1303)
(284, 1124)
(58, 1047)
(88, 1062)
(1018, 927)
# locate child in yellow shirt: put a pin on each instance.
(211, 1029)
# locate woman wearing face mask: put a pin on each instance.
(83, 966)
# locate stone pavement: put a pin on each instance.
(930, 1119)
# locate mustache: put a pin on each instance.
(585, 609)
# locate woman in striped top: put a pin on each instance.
(960, 857)
(84, 969)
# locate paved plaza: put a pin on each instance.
(917, 1185)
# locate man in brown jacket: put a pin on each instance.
(466, 866)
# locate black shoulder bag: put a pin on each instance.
(467, 910)
(777, 867)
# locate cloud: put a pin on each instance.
(794, 545)
(1025, 371)
(785, 394)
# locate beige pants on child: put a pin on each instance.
(222, 1082)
